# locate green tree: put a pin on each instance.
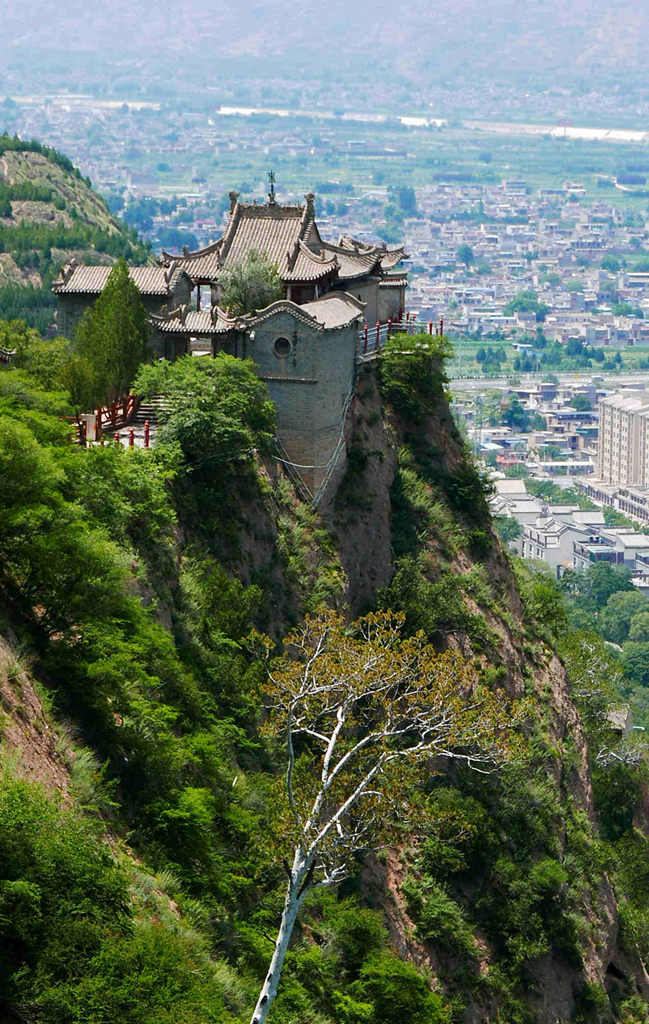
(635, 659)
(615, 619)
(527, 301)
(611, 263)
(639, 628)
(217, 410)
(113, 335)
(250, 284)
(507, 528)
(514, 415)
(465, 254)
(581, 403)
(595, 585)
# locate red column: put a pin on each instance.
(116, 436)
(430, 326)
(146, 433)
(441, 325)
(364, 337)
(389, 327)
(378, 335)
(131, 438)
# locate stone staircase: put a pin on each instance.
(150, 410)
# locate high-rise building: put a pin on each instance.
(623, 439)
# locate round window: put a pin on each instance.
(282, 347)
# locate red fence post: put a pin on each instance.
(146, 433)
(378, 336)
(389, 326)
(131, 438)
(441, 325)
(430, 326)
(116, 436)
(364, 338)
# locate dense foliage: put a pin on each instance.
(130, 581)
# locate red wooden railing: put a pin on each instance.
(119, 414)
(371, 339)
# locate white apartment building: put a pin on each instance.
(623, 439)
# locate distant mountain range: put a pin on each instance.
(425, 40)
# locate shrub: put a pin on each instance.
(412, 373)
(357, 935)
(399, 993)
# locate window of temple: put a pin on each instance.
(281, 347)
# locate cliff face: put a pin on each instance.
(409, 527)
(400, 471)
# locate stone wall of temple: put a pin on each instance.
(391, 303)
(308, 373)
(72, 306)
(365, 290)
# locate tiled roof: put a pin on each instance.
(289, 236)
(203, 265)
(190, 321)
(354, 264)
(305, 265)
(388, 257)
(394, 281)
(81, 280)
(335, 309)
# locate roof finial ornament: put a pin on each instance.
(271, 195)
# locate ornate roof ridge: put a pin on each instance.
(187, 255)
(313, 256)
(175, 313)
(273, 209)
(287, 306)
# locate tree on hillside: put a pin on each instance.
(359, 711)
(621, 608)
(250, 284)
(113, 335)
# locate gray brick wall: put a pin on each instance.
(308, 381)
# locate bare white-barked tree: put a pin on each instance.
(360, 710)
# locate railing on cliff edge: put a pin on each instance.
(372, 339)
(110, 418)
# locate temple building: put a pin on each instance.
(304, 345)
(308, 266)
(77, 287)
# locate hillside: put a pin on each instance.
(129, 581)
(589, 44)
(49, 213)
